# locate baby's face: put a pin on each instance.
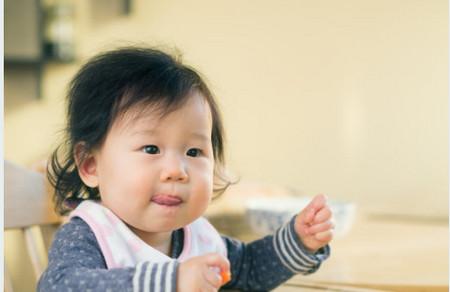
(157, 174)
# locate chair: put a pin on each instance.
(28, 206)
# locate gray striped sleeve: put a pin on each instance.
(155, 277)
(293, 254)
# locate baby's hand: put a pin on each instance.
(314, 224)
(201, 273)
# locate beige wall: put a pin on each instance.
(348, 97)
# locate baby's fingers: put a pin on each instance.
(323, 215)
(220, 266)
(217, 260)
(324, 236)
(315, 205)
(321, 227)
(212, 277)
(317, 202)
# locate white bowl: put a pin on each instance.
(266, 215)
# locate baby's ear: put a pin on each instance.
(86, 165)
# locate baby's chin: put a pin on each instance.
(160, 227)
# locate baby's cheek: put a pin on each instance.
(141, 183)
(205, 192)
(204, 178)
(202, 193)
(200, 188)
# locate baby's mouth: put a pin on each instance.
(166, 200)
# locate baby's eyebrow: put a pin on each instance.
(196, 135)
(200, 136)
(145, 132)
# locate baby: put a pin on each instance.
(144, 156)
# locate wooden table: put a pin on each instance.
(381, 253)
(388, 253)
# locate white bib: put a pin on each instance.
(122, 248)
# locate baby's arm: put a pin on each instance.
(268, 262)
(77, 264)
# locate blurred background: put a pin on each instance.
(347, 98)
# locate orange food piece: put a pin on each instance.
(226, 277)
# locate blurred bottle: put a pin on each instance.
(59, 30)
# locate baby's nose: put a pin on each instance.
(174, 170)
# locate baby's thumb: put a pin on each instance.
(216, 260)
(314, 206)
(220, 264)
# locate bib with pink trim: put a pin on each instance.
(122, 248)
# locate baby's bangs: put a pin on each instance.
(162, 94)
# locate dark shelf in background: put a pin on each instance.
(22, 62)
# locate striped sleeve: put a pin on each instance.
(293, 254)
(155, 277)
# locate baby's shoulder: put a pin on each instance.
(74, 225)
(75, 239)
(73, 231)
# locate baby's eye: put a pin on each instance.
(194, 152)
(151, 149)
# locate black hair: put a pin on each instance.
(107, 86)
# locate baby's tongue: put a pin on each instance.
(166, 200)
